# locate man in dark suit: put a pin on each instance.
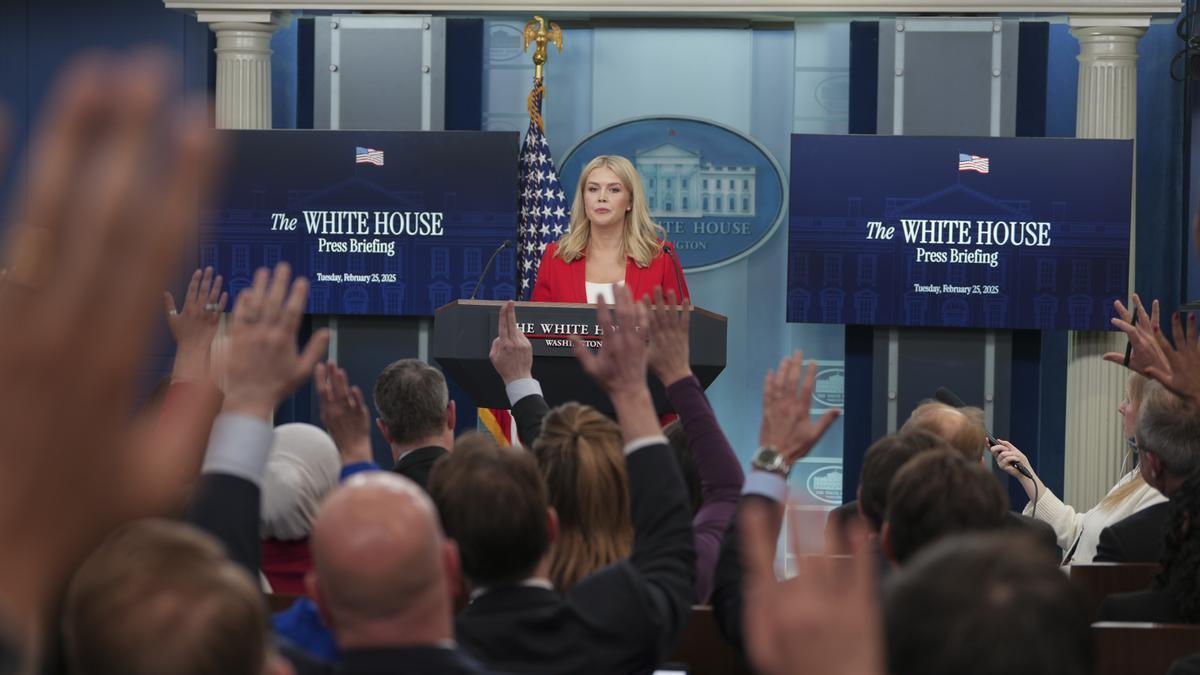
(416, 416)
(1168, 440)
(385, 586)
(1135, 538)
(624, 618)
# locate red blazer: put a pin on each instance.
(559, 281)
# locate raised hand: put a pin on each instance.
(264, 365)
(824, 620)
(786, 424)
(117, 172)
(620, 364)
(668, 355)
(511, 353)
(1145, 351)
(344, 413)
(1181, 375)
(195, 325)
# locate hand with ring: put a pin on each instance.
(195, 325)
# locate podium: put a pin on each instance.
(464, 329)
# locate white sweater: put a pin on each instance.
(1070, 525)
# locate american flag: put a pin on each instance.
(368, 156)
(972, 163)
(543, 209)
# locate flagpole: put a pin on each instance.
(541, 204)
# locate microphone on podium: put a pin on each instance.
(503, 245)
(951, 399)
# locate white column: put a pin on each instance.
(1106, 108)
(243, 67)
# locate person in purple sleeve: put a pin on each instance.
(716, 466)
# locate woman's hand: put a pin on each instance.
(1007, 456)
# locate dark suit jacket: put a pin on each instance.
(227, 507)
(726, 595)
(529, 412)
(1157, 606)
(624, 618)
(1137, 538)
(1041, 532)
(416, 465)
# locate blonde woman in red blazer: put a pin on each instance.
(612, 239)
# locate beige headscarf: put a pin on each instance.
(303, 467)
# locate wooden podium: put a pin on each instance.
(464, 329)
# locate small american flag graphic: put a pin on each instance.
(972, 163)
(368, 156)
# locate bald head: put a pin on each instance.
(962, 428)
(379, 556)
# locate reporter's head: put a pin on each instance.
(936, 494)
(161, 597)
(986, 604)
(493, 503)
(413, 402)
(383, 574)
(1168, 438)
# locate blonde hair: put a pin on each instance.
(580, 456)
(1137, 387)
(643, 236)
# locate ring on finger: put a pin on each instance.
(211, 307)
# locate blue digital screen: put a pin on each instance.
(384, 223)
(960, 232)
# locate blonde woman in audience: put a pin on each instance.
(301, 470)
(1079, 532)
(579, 454)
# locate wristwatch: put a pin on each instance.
(767, 458)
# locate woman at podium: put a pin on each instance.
(612, 240)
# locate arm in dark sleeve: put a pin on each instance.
(662, 543)
(727, 578)
(720, 474)
(227, 507)
(1108, 548)
(529, 413)
(226, 502)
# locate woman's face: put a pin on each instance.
(605, 198)
(1128, 414)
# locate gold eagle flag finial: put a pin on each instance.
(536, 32)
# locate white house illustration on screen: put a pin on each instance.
(680, 184)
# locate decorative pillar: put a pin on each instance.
(243, 67)
(1106, 108)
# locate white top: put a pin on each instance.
(597, 291)
(1070, 525)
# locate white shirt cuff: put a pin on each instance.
(239, 446)
(766, 484)
(646, 441)
(519, 389)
